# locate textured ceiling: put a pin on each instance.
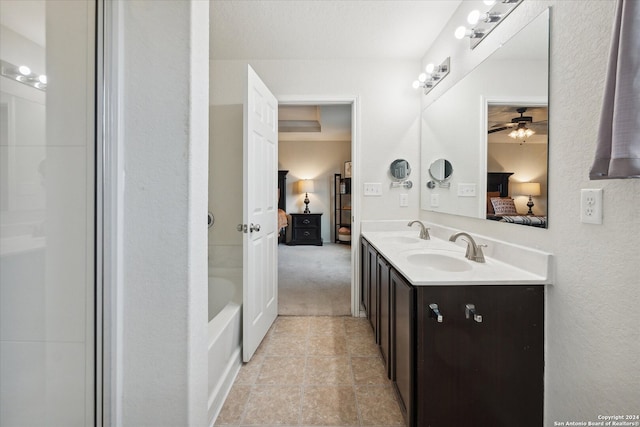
(326, 29)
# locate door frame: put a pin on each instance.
(354, 101)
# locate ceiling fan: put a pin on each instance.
(521, 126)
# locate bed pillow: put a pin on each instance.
(491, 194)
(504, 206)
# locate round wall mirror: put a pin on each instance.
(441, 170)
(400, 169)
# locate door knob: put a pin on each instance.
(434, 312)
(254, 227)
(470, 311)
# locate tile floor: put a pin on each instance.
(313, 371)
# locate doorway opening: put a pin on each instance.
(317, 165)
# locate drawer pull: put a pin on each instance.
(470, 310)
(306, 221)
(434, 312)
(306, 234)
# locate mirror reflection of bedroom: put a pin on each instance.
(314, 210)
(517, 153)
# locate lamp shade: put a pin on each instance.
(306, 186)
(530, 188)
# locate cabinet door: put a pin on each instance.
(508, 349)
(364, 275)
(402, 343)
(384, 313)
(374, 298)
(442, 398)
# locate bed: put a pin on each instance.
(501, 207)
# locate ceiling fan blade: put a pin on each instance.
(498, 129)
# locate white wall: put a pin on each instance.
(317, 160)
(592, 341)
(161, 376)
(388, 124)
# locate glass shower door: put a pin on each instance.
(47, 218)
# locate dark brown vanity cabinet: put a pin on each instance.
(458, 355)
(384, 312)
(402, 344)
(483, 363)
(364, 275)
(374, 297)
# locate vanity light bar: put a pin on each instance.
(24, 75)
(484, 23)
(433, 76)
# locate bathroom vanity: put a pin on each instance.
(463, 349)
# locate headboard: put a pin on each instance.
(498, 181)
(282, 188)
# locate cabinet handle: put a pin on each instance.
(435, 312)
(306, 221)
(306, 234)
(470, 310)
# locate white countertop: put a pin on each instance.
(505, 264)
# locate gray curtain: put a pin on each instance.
(618, 145)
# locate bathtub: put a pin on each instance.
(225, 335)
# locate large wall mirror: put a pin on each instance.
(493, 125)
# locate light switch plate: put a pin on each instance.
(466, 190)
(373, 189)
(435, 200)
(404, 200)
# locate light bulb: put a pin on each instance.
(416, 84)
(422, 77)
(489, 2)
(43, 79)
(429, 68)
(460, 32)
(39, 85)
(24, 70)
(473, 17)
(21, 78)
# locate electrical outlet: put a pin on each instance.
(404, 200)
(591, 206)
(373, 189)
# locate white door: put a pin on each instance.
(260, 238)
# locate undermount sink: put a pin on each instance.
(440, 261)
(401, 239)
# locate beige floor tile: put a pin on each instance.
(359, 345)
(291, 325)
(282, 371)
(358, 326)
(369, 371)
(233, 408)
(327, 345)
(378, 406)
(273, 406)
(287, 345)
(328, 370)
(249, 371)
(329, 406)
(327, 326)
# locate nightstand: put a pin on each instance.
(306, 229)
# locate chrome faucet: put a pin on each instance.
(424, 231)
(474, 252)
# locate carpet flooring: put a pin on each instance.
(314, 280)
